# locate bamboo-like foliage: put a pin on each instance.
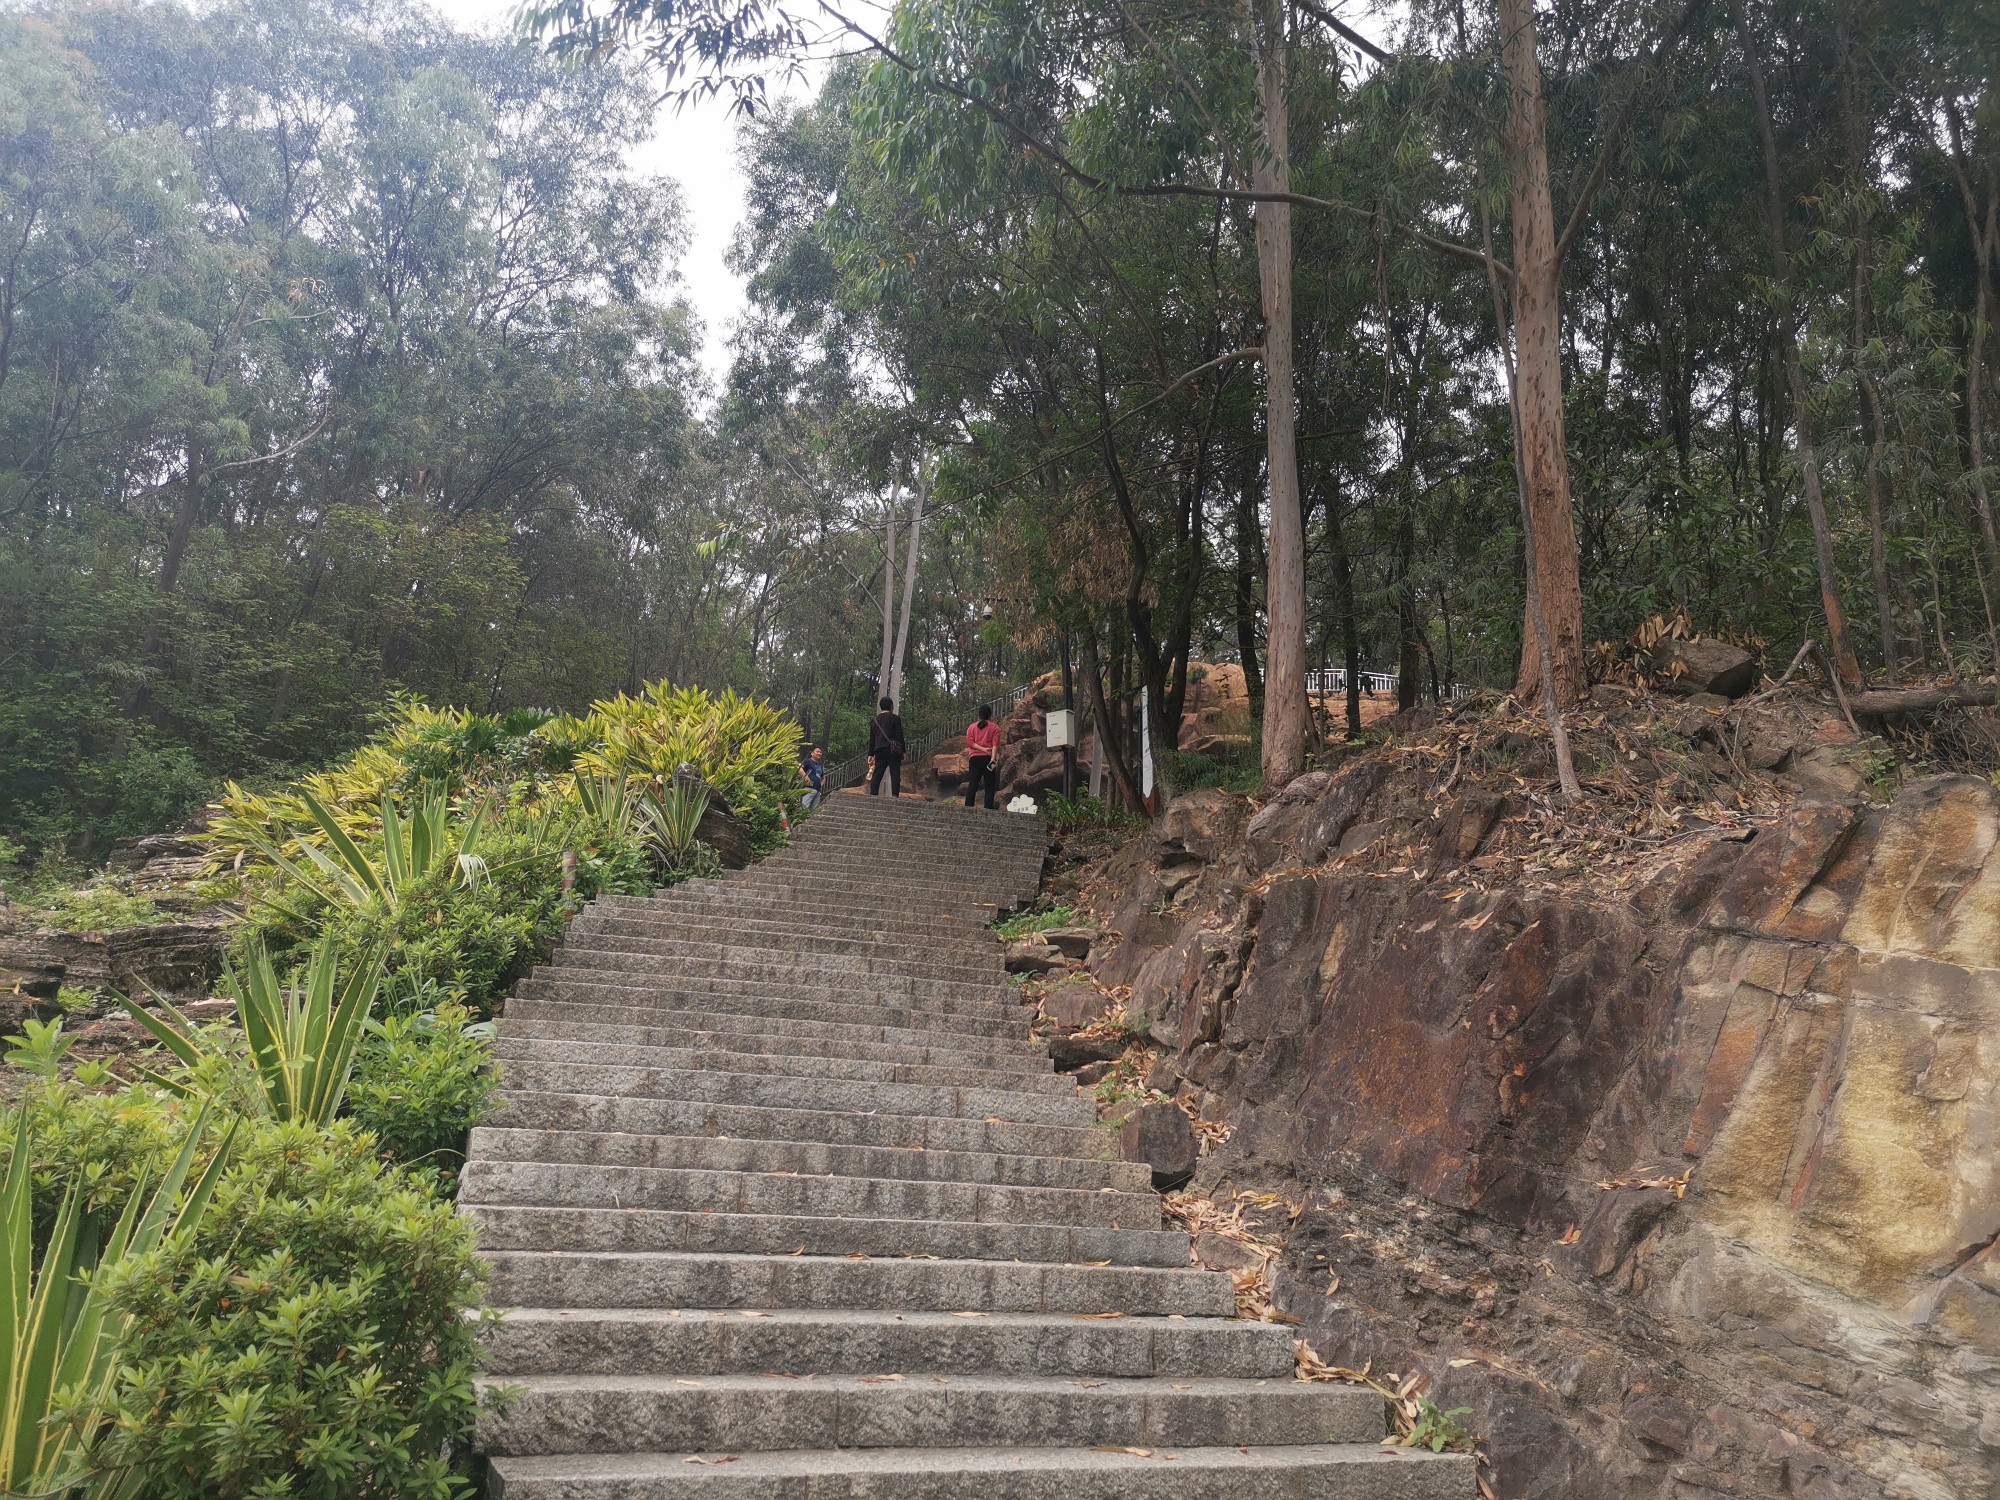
(58, 1337)
(302, 1037)
(599, 763)
(735, 743)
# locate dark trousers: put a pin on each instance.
(890, 766)
(980, 771)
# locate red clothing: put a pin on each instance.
(983, 739)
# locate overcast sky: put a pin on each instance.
(696, 146)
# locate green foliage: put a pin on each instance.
(373, 876)
(1083, 811)
(446, 941)
(1027, 923)
(61, 1332)
(421, 1082)
(1239, 772)
(306, 1335)
(1439, 1430)
(300, 1038)
(671, 819)
(99, 907)
(181, 279)
(745, 750)
(40, 1047)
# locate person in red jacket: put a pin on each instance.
(982, 752)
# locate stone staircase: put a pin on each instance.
(781, 1201)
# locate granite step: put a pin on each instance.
(668, 1279)
(616, 1341)
(534, 1227)
(1358, 1471)
(628, 1413)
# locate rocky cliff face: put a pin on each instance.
(1682, 1174)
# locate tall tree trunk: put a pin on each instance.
(1854, 122)
(1838, 640)
(826, 724)
(1246, 587)
(1287, 725)
(1537, 316)
(1350, 625)
(909, 590)
(1109, 750)
(882, 684)
(1985, 233)
(1504, 323)
(1409, 650)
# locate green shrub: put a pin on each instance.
(449, 941)
(421, 1083)
(1071, 814)
(306, 1338)
(98, 908)
(1024, 924)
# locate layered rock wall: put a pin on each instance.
(1687, 1184)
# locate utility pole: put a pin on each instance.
(1069, 707)
(895, 688)
(889, 598)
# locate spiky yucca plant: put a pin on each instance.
(58, 1336)
(302, 1037)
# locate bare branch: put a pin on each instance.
(1341, 29)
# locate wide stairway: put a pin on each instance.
(781, 1201)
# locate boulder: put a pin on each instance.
(1032, 956)
(1073, 941)
(1069, 1053)
(1704, 666)
(1160, 1135)
(1219, 1252)
(1075, 1003)
(719, 828)
(158, 862)
(1203, 825)
(1837, 770)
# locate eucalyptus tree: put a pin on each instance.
(339, 359)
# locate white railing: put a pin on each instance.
(1333, 681)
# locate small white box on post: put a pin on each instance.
(1061, 728)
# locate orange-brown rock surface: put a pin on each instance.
(1682, 1174)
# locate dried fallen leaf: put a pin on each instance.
(1570, 1236)
(720, 1458)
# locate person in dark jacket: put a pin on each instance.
(885, 743)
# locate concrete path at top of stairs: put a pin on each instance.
(782, 1202)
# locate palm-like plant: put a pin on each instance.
(608, 800)
(672, 817)
(58, 1335)
(345, 874)
(302, 1037)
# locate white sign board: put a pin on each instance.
(1061, 728)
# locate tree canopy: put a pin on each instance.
(341, 357)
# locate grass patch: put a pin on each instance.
(1028, 923)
